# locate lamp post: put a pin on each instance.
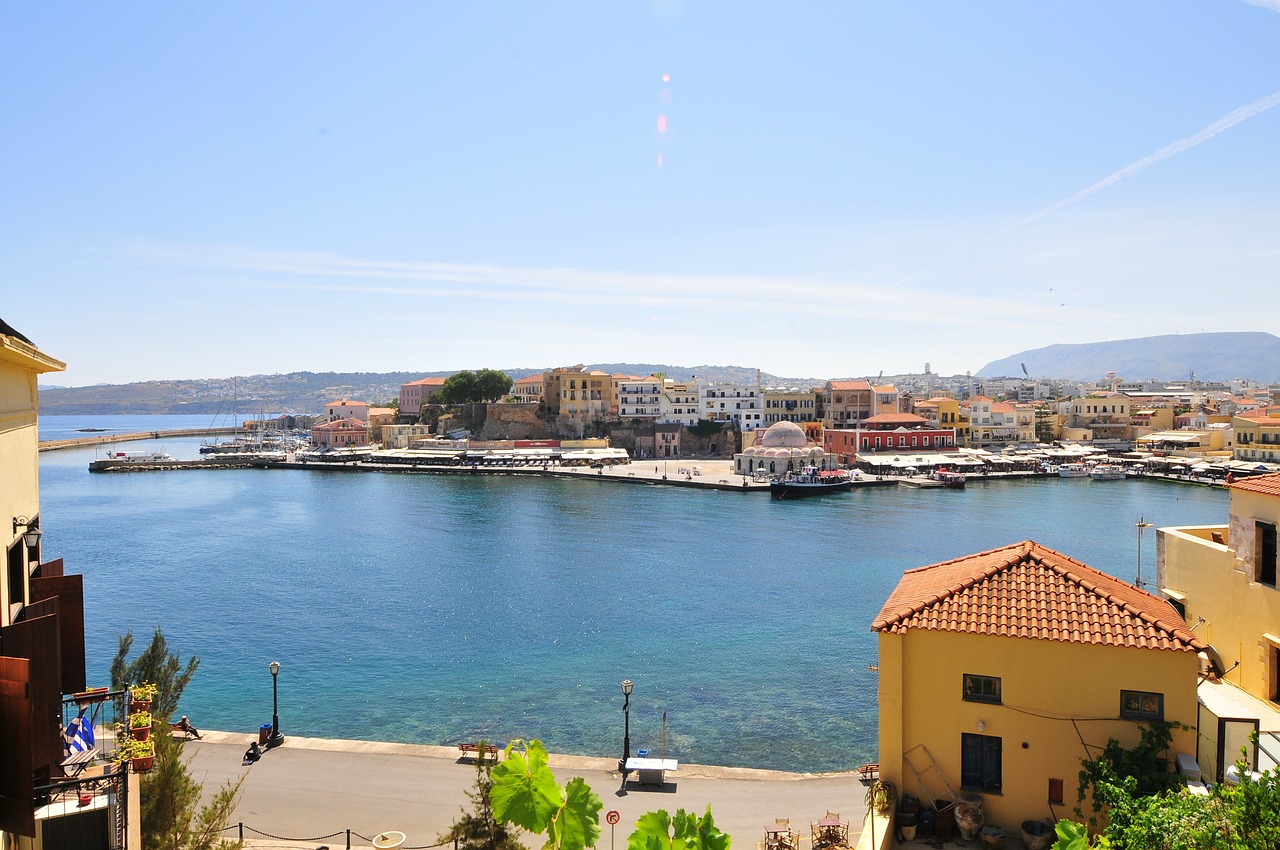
(275, 739)
(626, 734)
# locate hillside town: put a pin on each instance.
(1212, 429)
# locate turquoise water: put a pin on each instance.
(432, 609)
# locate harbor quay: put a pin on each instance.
(310, 791)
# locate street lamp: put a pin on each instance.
(275, 739)
(626, 735)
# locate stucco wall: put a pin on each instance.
(1215, 582)
(1045, 684)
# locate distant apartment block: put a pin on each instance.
(743, 406)
(415, 393)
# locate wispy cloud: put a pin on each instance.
(1220, 126)
(317, 272)
(1273, 5)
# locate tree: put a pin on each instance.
(468, 387)
(169, 804)
(157, 666)
(479, 829)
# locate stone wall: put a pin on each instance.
(518, 421)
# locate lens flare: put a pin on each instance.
(666, 78)
(662, 123)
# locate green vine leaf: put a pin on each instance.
(577, 824)
(525, 791)
(660, 831)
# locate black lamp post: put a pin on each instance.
(275, 739)
(626, 735)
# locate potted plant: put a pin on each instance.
(89, 695)
(140, 696)
(141, 754)
(140, 725)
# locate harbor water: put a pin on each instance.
(435, 609)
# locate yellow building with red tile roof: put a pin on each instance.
(1256, 434)
(1000, 671)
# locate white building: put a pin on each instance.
(639, 398)
(743, 406)
(678, 403)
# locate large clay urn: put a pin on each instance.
(969, 816)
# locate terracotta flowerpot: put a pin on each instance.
(138, 705)
(140, 733)
(86, 798)
(142, 764)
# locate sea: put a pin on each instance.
(436, 609)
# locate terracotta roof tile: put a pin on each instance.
(849, 385)
(1268, 485)
(1027, 590)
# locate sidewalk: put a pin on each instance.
(313, 787)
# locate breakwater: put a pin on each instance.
(100, 439)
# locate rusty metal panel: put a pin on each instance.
(37, 641)
(17, 786)
(69, 593)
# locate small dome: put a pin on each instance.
(784, 435)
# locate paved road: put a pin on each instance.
(313, 787)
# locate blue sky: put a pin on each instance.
(817, 189)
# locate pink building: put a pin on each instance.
(340, 433)
(414, 393)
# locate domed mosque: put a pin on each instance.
(782, 448)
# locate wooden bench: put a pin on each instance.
(75, 763)
(490, 751)
(869, 771)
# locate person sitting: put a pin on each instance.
(184, 726)
(252, 754)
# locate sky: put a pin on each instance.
(814, 189)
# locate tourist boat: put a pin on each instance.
(1107, 472)
(139, 457)
(1073, 470)
(949, 478)
(809, 481)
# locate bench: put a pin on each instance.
(490, 751)
(869, 771)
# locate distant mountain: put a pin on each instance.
(309, 392)
(1211, 356)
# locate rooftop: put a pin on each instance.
(1030, 591)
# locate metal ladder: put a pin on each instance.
(932, 771)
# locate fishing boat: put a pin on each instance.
(1073, 470)
(1107, 472)
(949, 478)
(809, 481)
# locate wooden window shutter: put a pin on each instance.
(17, 786)
(69, 593)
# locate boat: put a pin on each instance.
(1073, 470)
(139, 457)
(949, 478)
(1107, 472)
(809, 481)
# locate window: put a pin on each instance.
(980, 763)
(1267, 554)
(1141, 705)
(981, 688)
(17, 573)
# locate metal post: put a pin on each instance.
(626, 735)
(275, 739)
(1142, 526)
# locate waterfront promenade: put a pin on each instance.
(314, 787)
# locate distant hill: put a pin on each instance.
(1212, 356)
(309, 392)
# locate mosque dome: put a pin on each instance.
(784, 435)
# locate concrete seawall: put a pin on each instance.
(100, 439)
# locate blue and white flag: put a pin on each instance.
(79, 734)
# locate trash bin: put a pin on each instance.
(643, 754)
(264, 732)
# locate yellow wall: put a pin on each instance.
(921, 703)
(20, 367)
(1215, 581)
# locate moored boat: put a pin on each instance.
(809, 481)
(949, 478)
(1107, 472)
(1073, 470)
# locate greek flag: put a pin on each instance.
(79, 734)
